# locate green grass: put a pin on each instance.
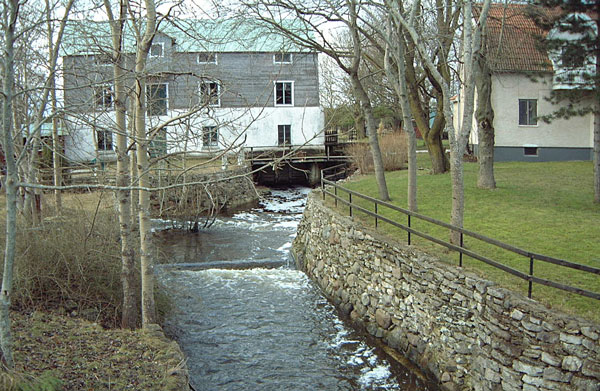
(540, 207)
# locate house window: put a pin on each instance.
(210, 93)
(572, 57)
(210, 136)
(157, 98)
(284, 135)
(530, 151)
(103, 59)
(282, 58)
(527, 111)
(284, 93)
(207, 58)
(105, 142)
(103, 97)
(157, 49)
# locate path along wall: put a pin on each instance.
(464, 331)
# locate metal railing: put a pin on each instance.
(330, 175)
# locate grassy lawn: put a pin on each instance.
(540, 207)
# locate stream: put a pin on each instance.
(248, 320)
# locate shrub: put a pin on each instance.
(393, 150)
(71, 264)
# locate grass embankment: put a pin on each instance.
(540, 207)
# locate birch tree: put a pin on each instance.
(144, 35)
(10, 12)
(123, 179)
(458, 138)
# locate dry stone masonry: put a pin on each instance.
(464, 331)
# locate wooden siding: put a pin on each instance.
(246, 79)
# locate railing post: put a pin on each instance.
(335, 192)
(350, 202)
(460, 258)
(531, 274)
(376, 212)
(408, 231)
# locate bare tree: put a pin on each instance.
(123, 180)
(143, 43)
(312, 17)
(10, 12)
(458, 138)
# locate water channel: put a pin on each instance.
(247, 320)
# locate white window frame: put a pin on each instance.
(105, 133)
(275, 61)
(275, 93)
(207, 62)
(288, 141)
(519, 112)
(162, 50)
(104, 89)
(218, 83)
(210, 144)
(167, 99)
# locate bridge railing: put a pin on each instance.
(349, 198)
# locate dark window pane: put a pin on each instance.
(527, 111)
(283, 93)
(103, 96)
(210, 136)
(156, 98)
(530, 151)
(104, 140)
(285, 58)
(209, 93)
(156, 50)
(284, 134)
(208, 58)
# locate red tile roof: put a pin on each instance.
(513, 39)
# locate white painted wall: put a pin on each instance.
(248, 127)
(507, 89)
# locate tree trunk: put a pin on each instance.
(130, 309)
(437, 152)
(365, 104)
(596, 158)
(143, 164)
(11, 182)
(484, 114)
(56, 155)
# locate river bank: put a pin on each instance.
(84, 356)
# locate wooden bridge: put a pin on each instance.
(293, 164)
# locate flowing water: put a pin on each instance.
(247, 320)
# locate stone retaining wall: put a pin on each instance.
(219, 192)
(464, 331)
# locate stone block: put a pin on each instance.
(555, 374)
(571, 339)
(529, 369)
(591, 369)
(590, 332)
(550, 359)
(383, 318)
(492, 376)
(571, 363)
(533, 381)
(547, 337)
(516, 314)
(583, 384)
(531, 326)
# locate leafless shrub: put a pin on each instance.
(393, 149)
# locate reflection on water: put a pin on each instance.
(263, 329)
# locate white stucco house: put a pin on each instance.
(523, 78)
(234, 85)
